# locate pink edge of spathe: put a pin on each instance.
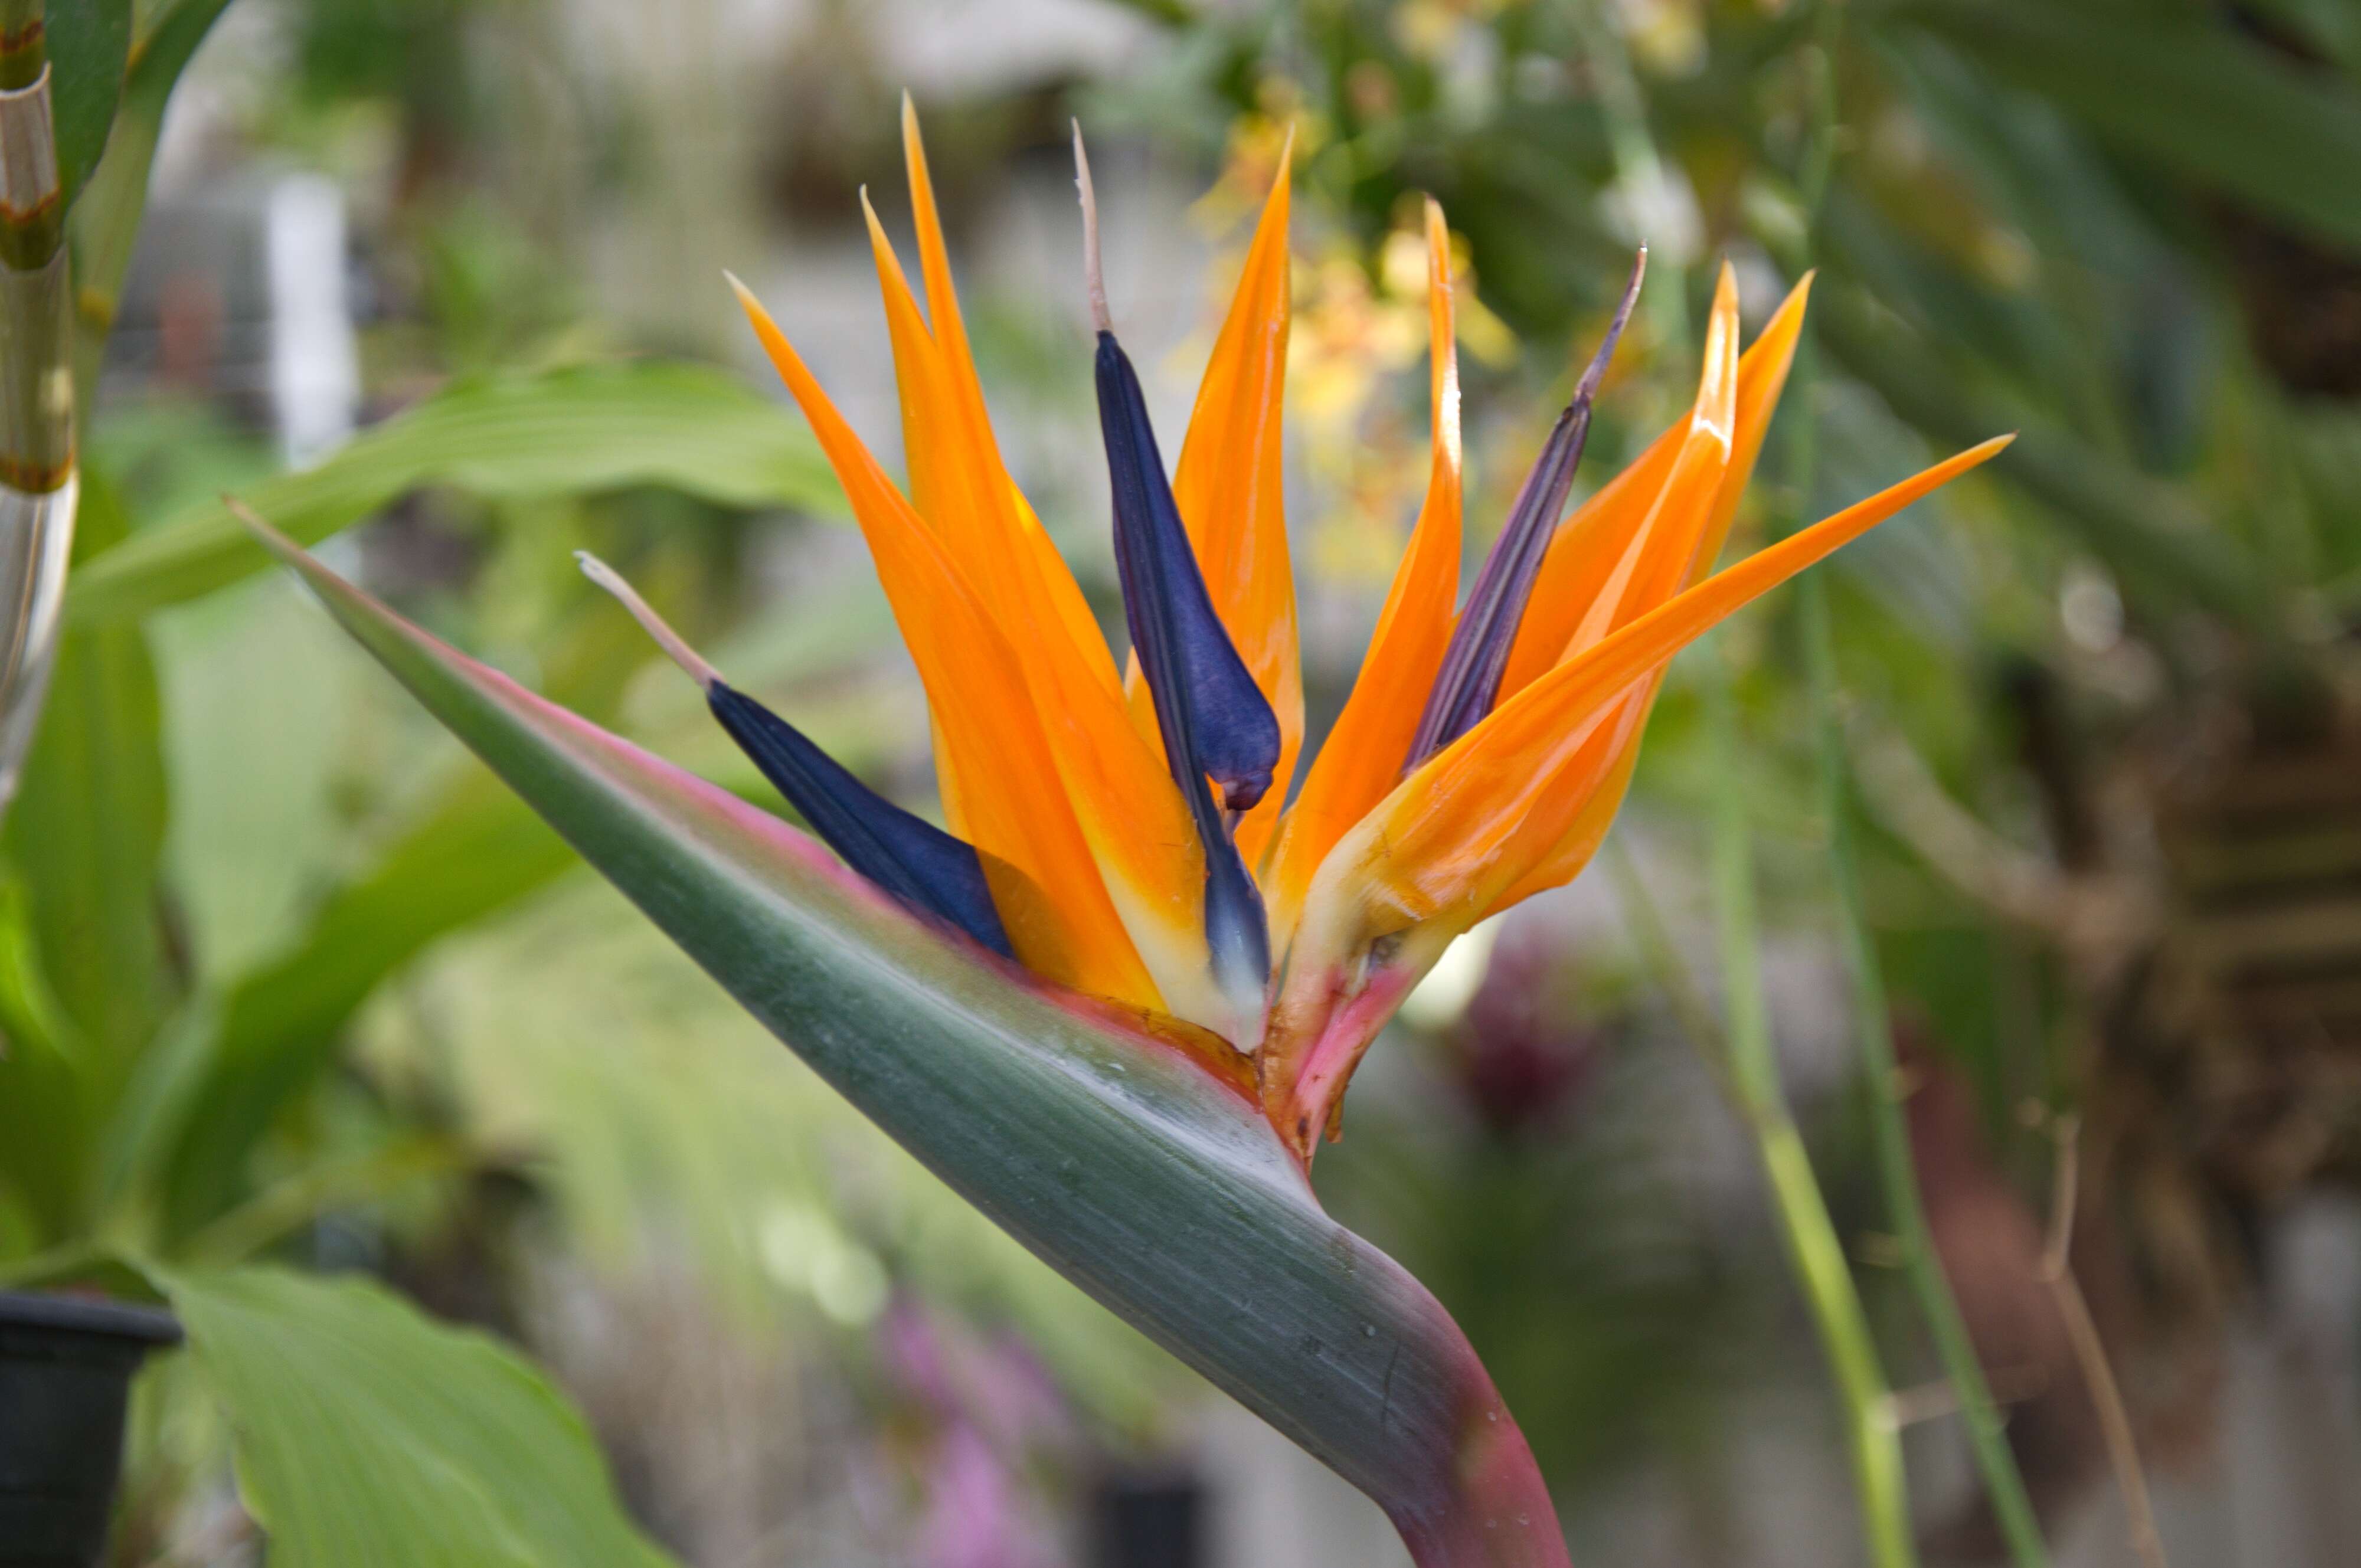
(1345, 1036)
(1495, 1513)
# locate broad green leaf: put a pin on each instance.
(43, 1114)
(575, 431)
(475, 851)
(89, 42)
(2180, 85)
(106, 220)
(1158, 1189)
(86, 832)
(368, 1434)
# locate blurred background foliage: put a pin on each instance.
(337, 1001)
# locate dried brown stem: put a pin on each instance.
(2091, 1352)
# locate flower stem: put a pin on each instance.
(1890, 1134)
(1871, 1433)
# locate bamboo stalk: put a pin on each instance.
(37, 476)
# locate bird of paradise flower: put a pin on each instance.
(1126, 833)
(1159, 974)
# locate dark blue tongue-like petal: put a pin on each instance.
(1203, 691)
(1215, 721)
(924, 867)
(1469, 681)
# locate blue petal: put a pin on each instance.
(926, 869)
(1215, 721)
(1469, 681)
(1203, 692)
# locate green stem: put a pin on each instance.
(1810, 1236)
(305, 1197)
(1890, 1134)
(1639, 164)
(1891, 1139)
(1905, 1209)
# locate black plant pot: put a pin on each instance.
(65, 1376)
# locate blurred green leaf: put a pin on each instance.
(1120, 1161)
(89, 42)
(2148, 530)
(105, 222)
(86, 978)
(2175, 85)
(571, 431)
(367, 1433)
(475, 852)
(43, 1113)
(86, 832)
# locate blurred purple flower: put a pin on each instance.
(1523, 1050)
(986, 1423)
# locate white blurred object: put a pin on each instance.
(315, 383)
(238, 294)
(1274, 1506)
(1437, 1001)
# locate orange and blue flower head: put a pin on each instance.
(1128, 832)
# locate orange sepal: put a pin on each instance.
(1449, 835)
(1468, 825)
(1591, 542)
(994, 752)
(1228, 485)
(1129, 812)
(1362, 759)
(1762, 374)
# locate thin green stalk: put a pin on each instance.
(1872, 1437)
(1890, 1134)
(1891, 1138)
(305, 1197)
(1639, 164)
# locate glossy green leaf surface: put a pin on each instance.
(573, 431)
(1114, 1158)
(89, 40)
(366, 1433)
